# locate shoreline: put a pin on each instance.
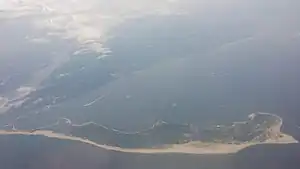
(188, 148)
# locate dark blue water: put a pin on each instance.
(178, 69)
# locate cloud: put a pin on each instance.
(38, 40)
(3, 101)
(24, 90)
(81, 20)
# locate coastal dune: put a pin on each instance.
(35, 151)
(188, 148)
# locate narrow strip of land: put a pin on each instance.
(188, 148)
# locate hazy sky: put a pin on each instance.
(88, 21)
(85, 21)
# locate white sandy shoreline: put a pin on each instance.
(188, 148)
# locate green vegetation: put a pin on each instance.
(258, 128)
(160, 134)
